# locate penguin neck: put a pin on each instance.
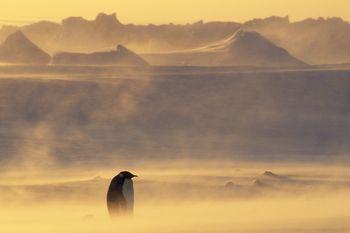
(116, 183)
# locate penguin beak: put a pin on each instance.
(135, 176)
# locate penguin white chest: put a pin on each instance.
(128, 193)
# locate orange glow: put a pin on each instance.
(177, 11)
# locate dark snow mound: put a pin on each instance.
(17, 48)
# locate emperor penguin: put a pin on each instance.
(120, 195)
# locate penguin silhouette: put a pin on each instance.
(120, 195)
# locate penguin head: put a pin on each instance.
(126, 175)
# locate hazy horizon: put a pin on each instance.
(25, 21)
(142, 12)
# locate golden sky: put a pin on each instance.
(164, 11)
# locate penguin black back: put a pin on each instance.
(120, 195)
